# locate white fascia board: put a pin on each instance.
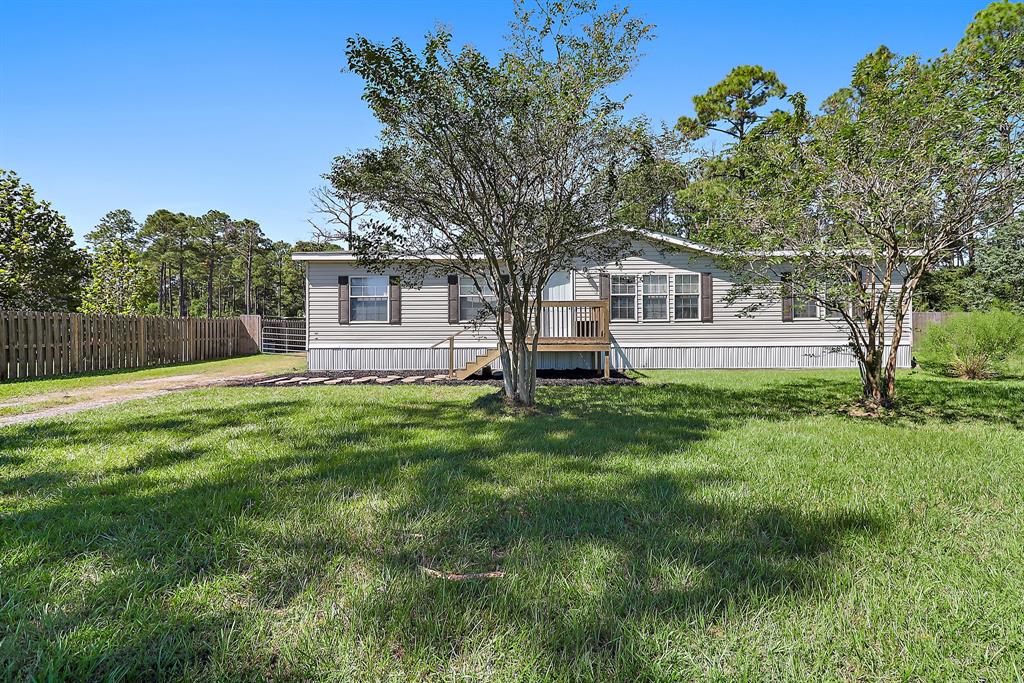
(348, 257)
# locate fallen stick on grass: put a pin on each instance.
(450, 576)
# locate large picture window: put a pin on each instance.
(471, 302)
(687, 297)
(368, 299)
(623, 295)
(655, 297)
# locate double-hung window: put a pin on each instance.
(687, 296)
(835, 313)
(804, 308)
(655, 297)
(623, 294)
(471, 301)
(368, 299)
(830, 295)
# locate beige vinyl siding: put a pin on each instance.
(762, 328)
(754, 341)
(424, 315)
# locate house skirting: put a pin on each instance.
(622, 358)
(804, 356)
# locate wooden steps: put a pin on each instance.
(485, 358)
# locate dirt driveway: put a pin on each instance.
(73, 399)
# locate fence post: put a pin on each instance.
(76, 342)
(142, 341)
(252, 325)
(3, 345)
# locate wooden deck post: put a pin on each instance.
(607, 365)
(451, 356)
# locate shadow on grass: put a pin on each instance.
(584, 505)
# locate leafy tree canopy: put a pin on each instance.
(858, 203)
(733, 105)
(115, 226)
(40, 267)
(507, 167)
(117, 281)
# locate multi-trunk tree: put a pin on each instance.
(850, 208)
(511, 170)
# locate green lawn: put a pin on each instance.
(727, 525)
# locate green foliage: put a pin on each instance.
(732, 105)
(518, 161)
(117, 281)
(993, 26)
(973, 345)
(953, 288)
(40, 267)
(858, 203)
(115, 226)
(1000, 264)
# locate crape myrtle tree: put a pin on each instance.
(510, 170)
(850, 208)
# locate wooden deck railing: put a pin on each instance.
(574, 322)
(562, 323)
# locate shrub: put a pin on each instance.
(973, 345)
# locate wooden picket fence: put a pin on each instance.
(35, 344)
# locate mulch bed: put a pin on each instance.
(544, 378)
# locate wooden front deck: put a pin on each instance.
(574, 326)
(570, 326)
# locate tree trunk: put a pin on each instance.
(182, 297)
(879, 386)
(209, 289)
(518, 362)
(161, 288)
(248, 280)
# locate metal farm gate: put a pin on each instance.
(283, 335)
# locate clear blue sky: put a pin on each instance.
(191, 106)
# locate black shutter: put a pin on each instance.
(394, 300)
(787, 297)
(344, 313)
(605, 286)
(707, 305)
(453, 299)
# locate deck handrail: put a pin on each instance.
(569, 326)
(577, 321)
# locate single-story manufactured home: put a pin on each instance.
(664, 306)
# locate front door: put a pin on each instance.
(559, 287)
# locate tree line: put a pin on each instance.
(169, 263)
